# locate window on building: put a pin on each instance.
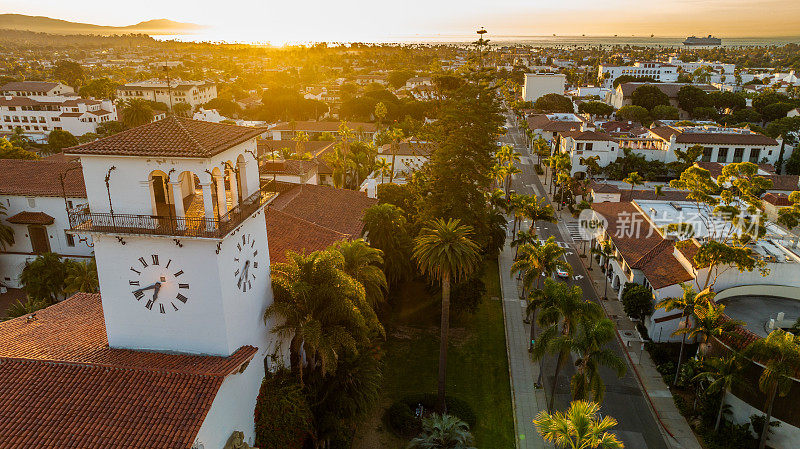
(589, 146)
(706, 154)
(755, 153)
(70, 239)
(722, 155)
(40, 243)
(738, 154)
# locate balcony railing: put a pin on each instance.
(83, 220)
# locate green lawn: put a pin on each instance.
(477, 368)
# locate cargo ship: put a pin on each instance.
(694, 40)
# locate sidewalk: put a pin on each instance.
(678, 432)
(526, 399)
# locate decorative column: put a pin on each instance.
(222, 202)
(177, 198)
(208, 204)
(234, 186)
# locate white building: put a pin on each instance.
(721, 67)
(36, 210)
(418, 81)
(659, 71)
(540, 84)
(38, 115)
(176, 333)
(581, 145)
(403, 158)
(287, 130)
(194, 93)
(35, 89)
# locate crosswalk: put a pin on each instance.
(574, 230)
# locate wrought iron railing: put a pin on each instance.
(82, 219)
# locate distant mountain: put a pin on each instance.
(57, 26)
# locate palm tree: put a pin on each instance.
(498, 200)
(688, 303)
(383, 167)
(592, 167)
(319, 308)
(590, 343)
(363, 263)
(136, 112)
(634, 179)
(534, 261)
(19, 308)
(443, 432)
(385, 228)
(523, 238)
(445, 251)
(509, 171)
(722, 372)
(709, 321)
(81, 277)
(6, 231)
(607, 253)
(538, 209)
(563, 309)
(516, 205)
(780, 355)
(507, 156)
(579, 428)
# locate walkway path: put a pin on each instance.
(527, 400)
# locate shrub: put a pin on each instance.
(467, 295)
(637, 301)
(400, 419)
(283, 417)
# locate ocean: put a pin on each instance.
(499, 40)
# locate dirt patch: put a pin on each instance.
(372, 434)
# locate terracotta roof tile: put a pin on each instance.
(25, 217)
(28, 86)
(662, 268)
(41, 177)
(338, 209)
(286, 232)
(777, 199)
(632, 241)
(97, 396)
(423, 149)
(173, 136)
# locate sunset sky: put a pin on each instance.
(316, 20)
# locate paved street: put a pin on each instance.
(623, 400)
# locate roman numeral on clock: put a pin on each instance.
(183, 285)
(178, 273)
(138, 295)
(143, 262)
(155, 259)
(150, 304)
(181, 298)
(161, 308)
(134, 283)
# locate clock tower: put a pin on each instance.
(175, 209)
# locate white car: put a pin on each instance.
(562, 273)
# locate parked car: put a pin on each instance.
(562, 273)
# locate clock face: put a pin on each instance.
(159, 285)
(244, 263)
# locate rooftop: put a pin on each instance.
(94, 393)
(172, 136)
(27, 177)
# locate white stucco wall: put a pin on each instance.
(14, 257)
(785, 436)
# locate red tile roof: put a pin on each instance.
(36, 218)
(338, 209)
(27, 177)
(588, 135)
(662, 268)
(286, 232)
(171, 137)
(61, 386)
(777, 199)
(28, 86)
(717, 138)
(423, 149)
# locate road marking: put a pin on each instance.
(578, 277)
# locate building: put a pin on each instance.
(658, 71)
(721, 67)
(418, 81)
(35, 89)
(364, 80)
(176, 333)
(311, 217)
(621, 96)
(405, 157)
(720, 144)
(540, 84)
(314, 129)
(549, 125)
(583, 144)
(193, 93)
(38, 115)
(36, 210)
(281, 163)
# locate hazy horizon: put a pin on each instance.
(351, 20)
